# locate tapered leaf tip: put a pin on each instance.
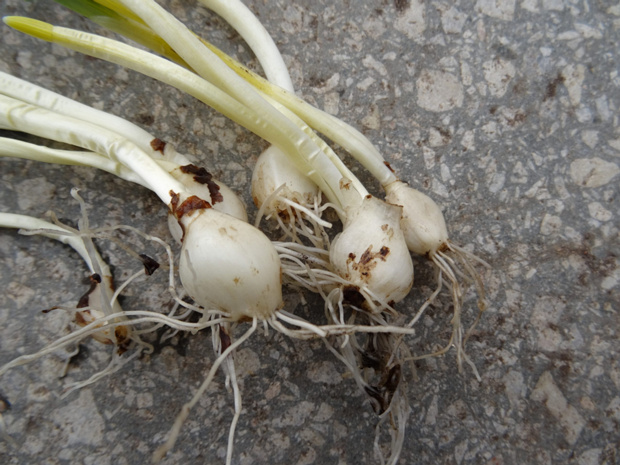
(33, 27)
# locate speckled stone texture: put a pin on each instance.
(504, 111)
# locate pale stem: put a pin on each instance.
(25, 91)
(28, 151)
(242, 20)
(21, 116)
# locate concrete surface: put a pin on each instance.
(505, 111)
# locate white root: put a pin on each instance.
(185, 410)
(143, 322)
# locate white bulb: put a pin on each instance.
(422, 221)
(198, 182)
(229, 265)
(371, 251)
(274, 169)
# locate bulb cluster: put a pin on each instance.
(362, 267)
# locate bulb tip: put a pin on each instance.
(33, 27)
